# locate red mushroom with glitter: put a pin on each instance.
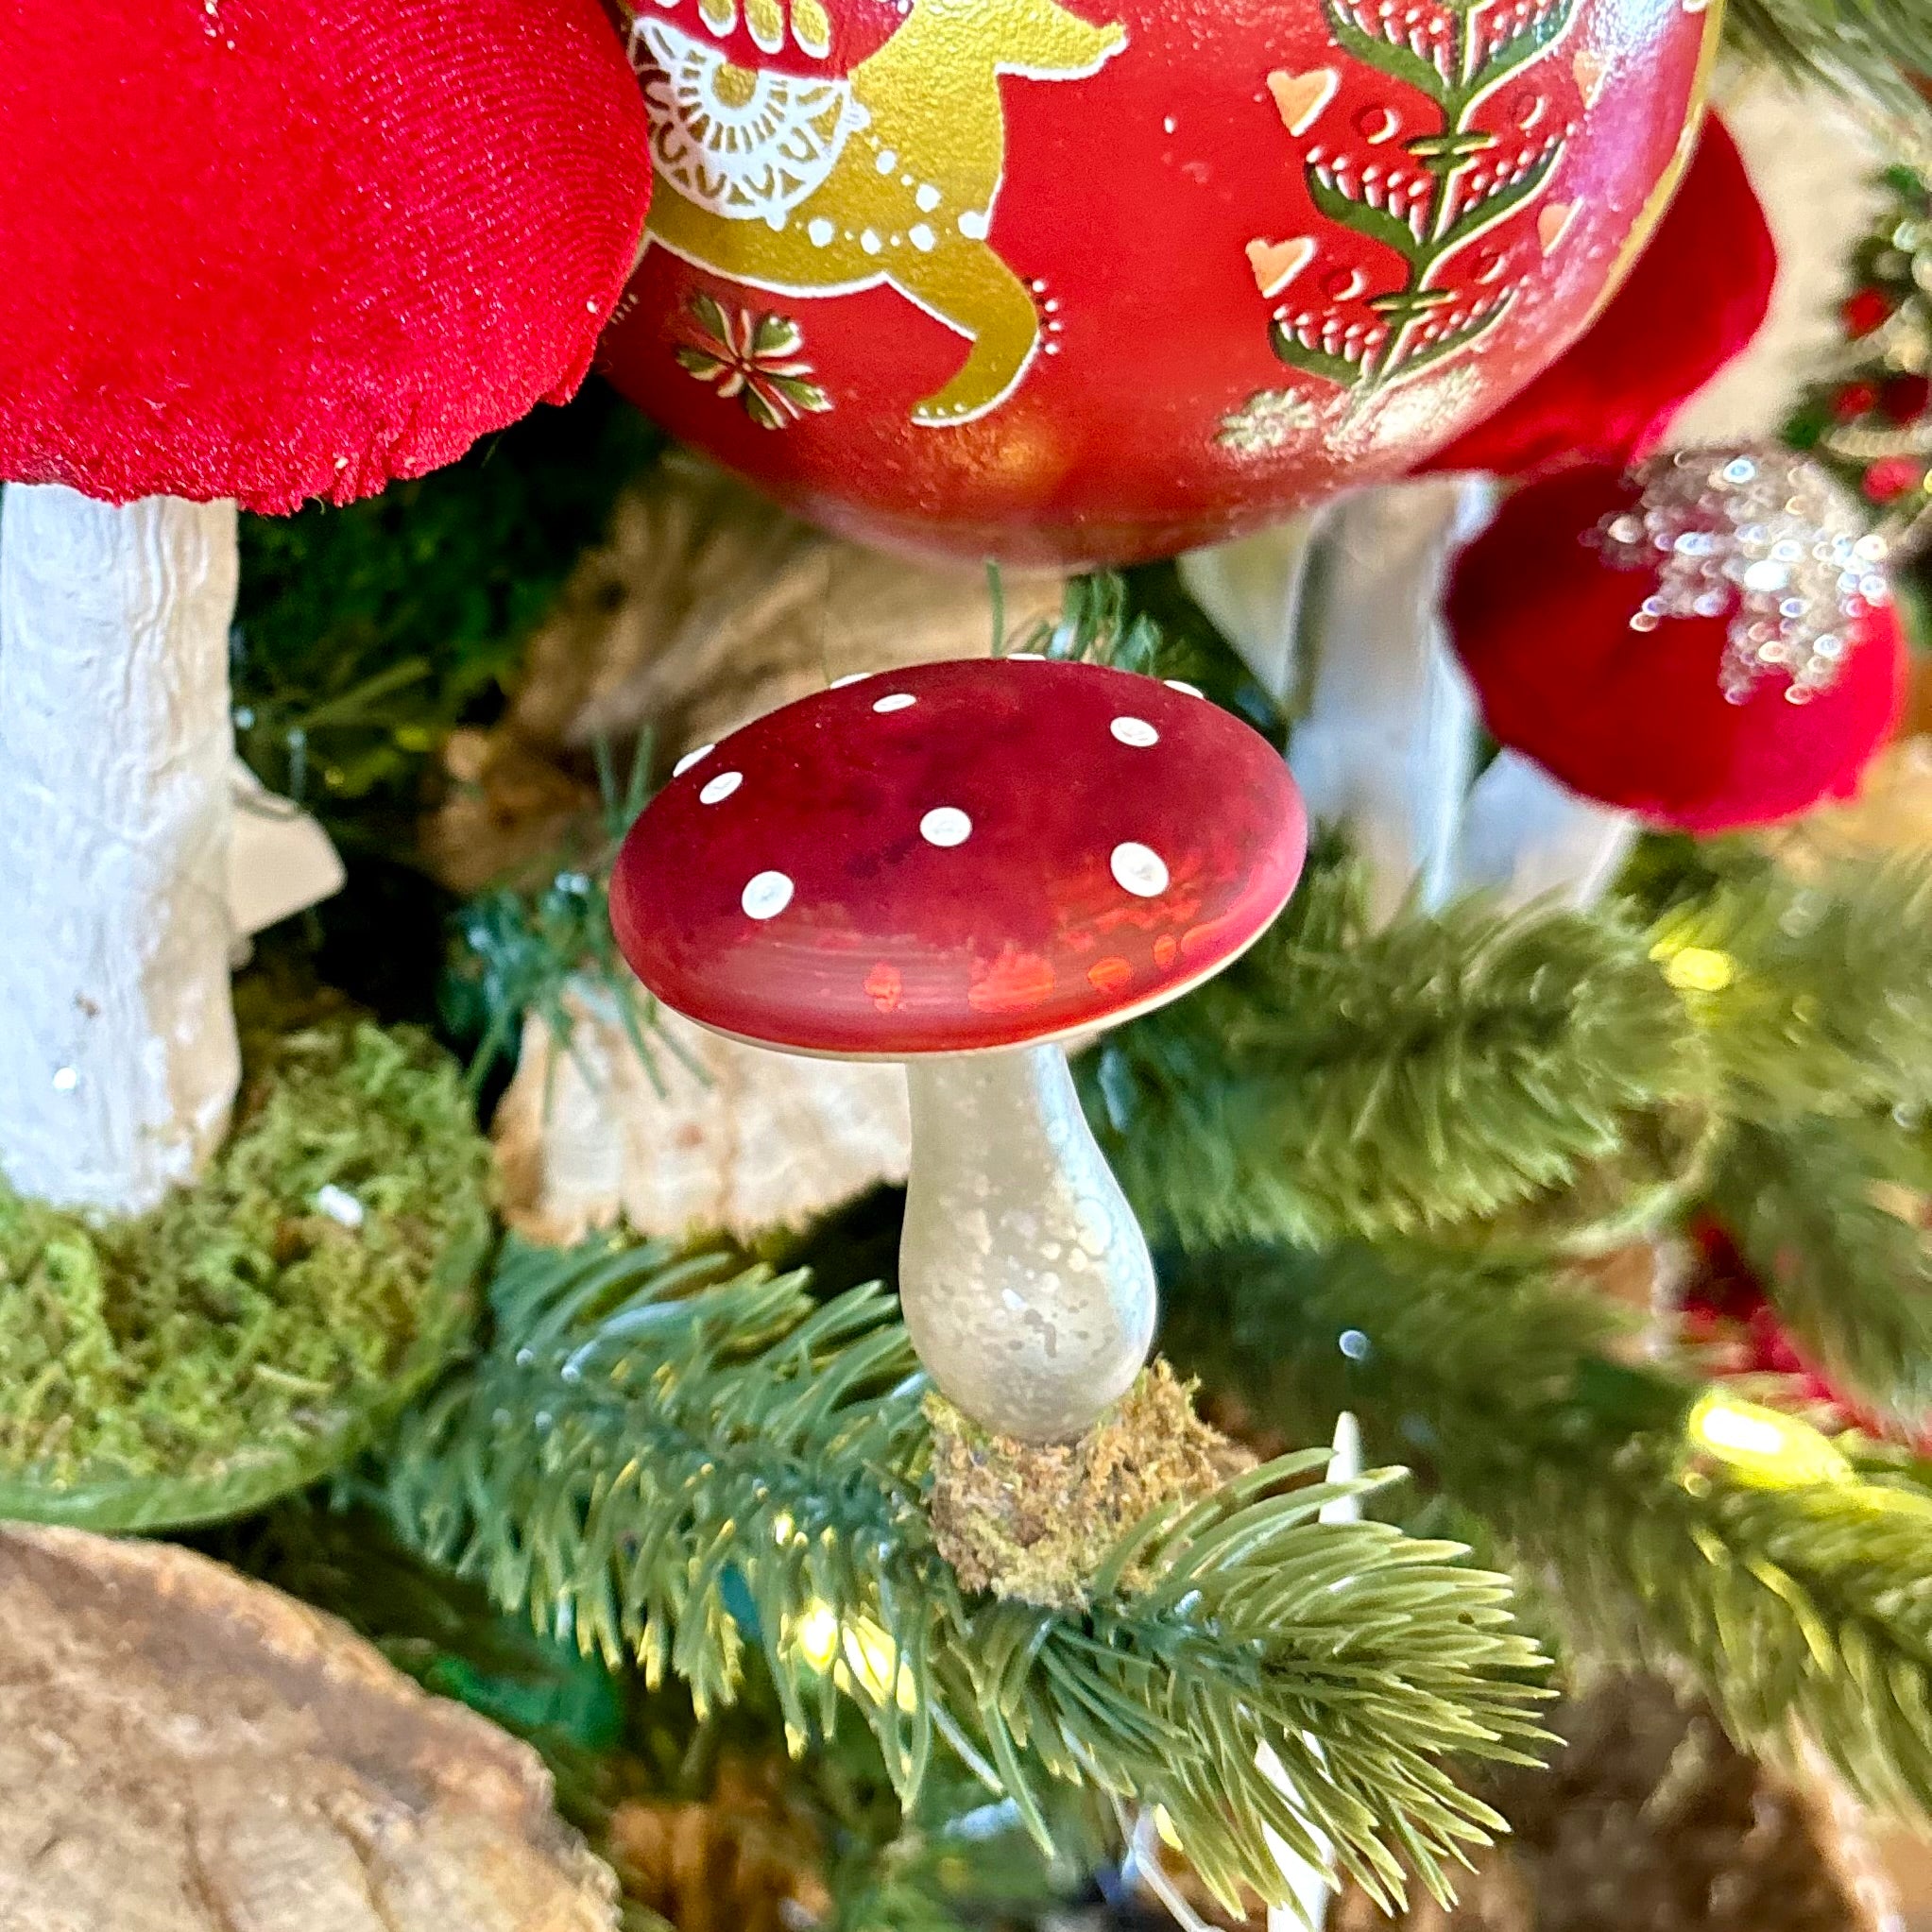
(1706, 644)
(259, 253)
(959, 866)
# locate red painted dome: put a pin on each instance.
(957, 856)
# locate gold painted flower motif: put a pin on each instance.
(754, 357)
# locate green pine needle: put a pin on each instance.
(670, 1458)
(1865, 49)
(1803, 1604)
(1442, 1069)
(1851, 1279)
(1813, 998)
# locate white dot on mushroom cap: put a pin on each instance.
(896, 702)
(851, 677)
(766, 896)
(1026, 657)
(945, 825)
(1139, 869)
(1182, 684)
(719, 789)
(692, 758)
(1136, 731)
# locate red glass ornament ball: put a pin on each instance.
(1907, 398)
(1865, 311)
(1854, 400)
(1891, 477)
(1087, 280)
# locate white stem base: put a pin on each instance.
(1025, 1279)
(1528, 837)
(1342, 607)
(118, 1063)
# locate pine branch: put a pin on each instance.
(1814, 999)
(1341, 1081)
(1804, 1599)
(670, 1458)
(1864, 49)
(519, 951)
(1850, 1278)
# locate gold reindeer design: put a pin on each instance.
(805, 184)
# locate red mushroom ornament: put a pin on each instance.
(1706, 644)
(959, 866)
(251, 251)
(1087, 280)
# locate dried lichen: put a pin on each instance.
(1035, 1522)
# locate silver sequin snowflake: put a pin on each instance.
(1766, 537)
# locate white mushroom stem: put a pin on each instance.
(1026, 1282)
(1343, 612)
(118, 1064)
(1253, 589)
(1526, 836)
(1385, 744)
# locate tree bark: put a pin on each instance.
(118, 1063)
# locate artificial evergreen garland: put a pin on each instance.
(676, 1459)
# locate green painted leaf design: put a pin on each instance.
(1385, 56)
(1521, 48)
(1447, 344)
(1376, 224)
(777, 336)
(805, 397)
(1314, 362)
(761, 411)
(709, 316)
(1498, 206)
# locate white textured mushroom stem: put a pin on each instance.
(118, 1063)
(1026, 1282)
(1386, 745)
(1526, 836)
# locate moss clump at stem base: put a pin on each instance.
(241, 1340)
(1034, 1522)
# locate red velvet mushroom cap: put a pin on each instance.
(1634, 714)
(1698, 293)
(276, 250)
(956, 857)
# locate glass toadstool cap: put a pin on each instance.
(957, 857)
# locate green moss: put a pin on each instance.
(1034, 1522)
(239, 1342)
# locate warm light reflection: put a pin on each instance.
(1763, 1446)
(1695, 969)
(858, 1653)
